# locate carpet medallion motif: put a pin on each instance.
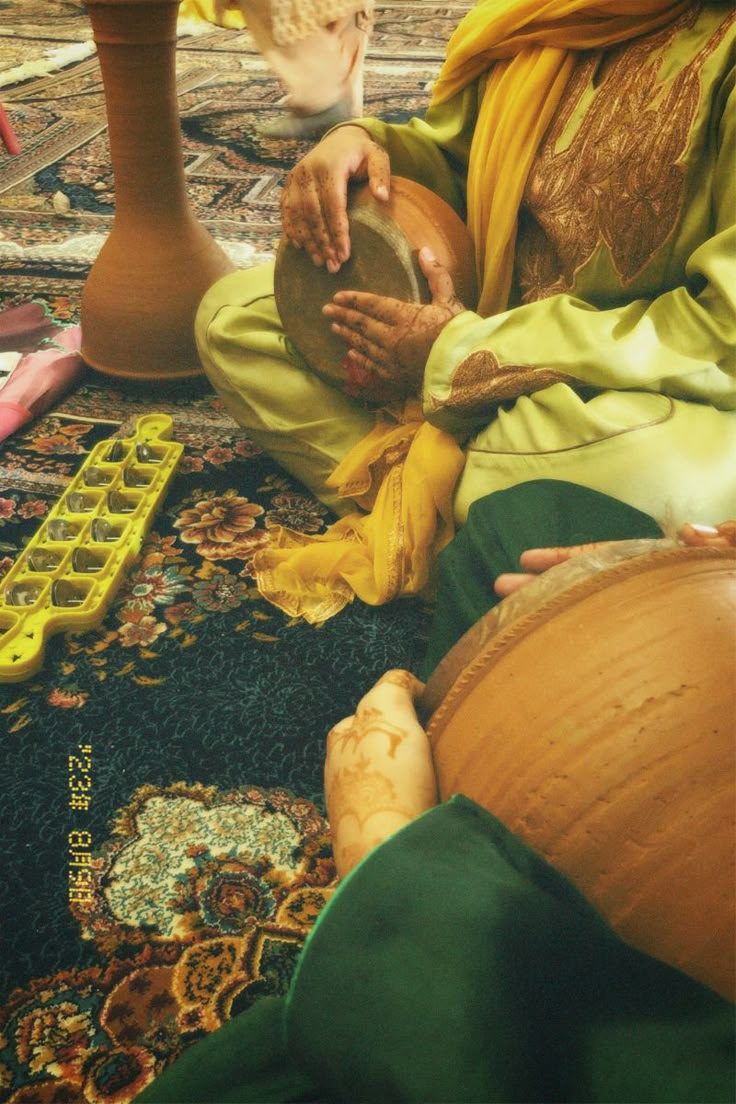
(246, 872)
(163, 825)
(211, 708)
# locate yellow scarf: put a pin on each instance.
(406, 470)
(207, 11)
(528, 48)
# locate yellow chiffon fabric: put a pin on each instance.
(405, 471)
(405, 479)
(209, 11)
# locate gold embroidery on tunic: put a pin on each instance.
(621, 180)
(480, 380)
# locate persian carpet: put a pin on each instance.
(163, 830)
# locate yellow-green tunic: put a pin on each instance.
(615, 365)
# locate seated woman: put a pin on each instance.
(590, 150)
(453, 963)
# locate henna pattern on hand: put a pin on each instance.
(398, 677)
(368, 723)
(361, 793)
(379, 773)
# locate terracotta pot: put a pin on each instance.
(139, 301)
(385, 239)
(600, 727)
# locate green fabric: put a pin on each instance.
(455, 965)
(539, 514)
(244, 1062)
(673, 460)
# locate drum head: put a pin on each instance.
(385, 240)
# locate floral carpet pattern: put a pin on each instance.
(166, 850)
(165, 844)
(198, 905)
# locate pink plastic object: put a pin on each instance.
(8, 134)
(39, 379)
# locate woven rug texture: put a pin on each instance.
(164, 834)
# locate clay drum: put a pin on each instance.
(385, 240)
(600, 727)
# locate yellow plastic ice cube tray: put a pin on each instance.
(68, 574)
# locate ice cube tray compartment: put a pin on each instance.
(68, 574)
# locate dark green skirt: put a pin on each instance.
(540, 514)
(455, 965)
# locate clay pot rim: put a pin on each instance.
(492, 650)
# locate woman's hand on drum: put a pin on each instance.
(314, 200)
(388, 339)
(535, 561)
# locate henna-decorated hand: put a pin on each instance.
(389, 340)
(379, 773)
(314, 200)
(535, 561)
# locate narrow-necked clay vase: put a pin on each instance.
(142, 292)
(385, 239)
(600, 727)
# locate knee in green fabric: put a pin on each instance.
(237, 316)
(244, 1062)
(500, 526)
(304, 424)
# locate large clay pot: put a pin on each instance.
(385, 239)
(139, 301)
(600, 727)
